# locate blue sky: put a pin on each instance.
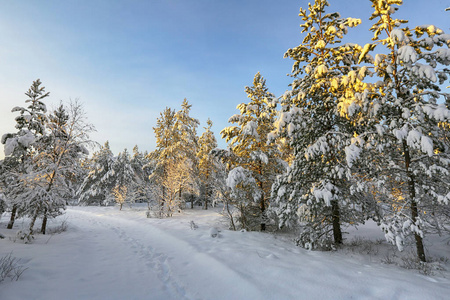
(127, 60)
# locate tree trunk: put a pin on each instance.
(412, 197)
(262, 206)
(243, 219)
(121, 204)
(230, 214)
(44, 222)
(205, 198)
(418, 238)
(336, 220)
(163, 201)
(33, 220)
(13, 217)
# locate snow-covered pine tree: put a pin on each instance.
(322, 118)
(140, 189)
(164, 157)
(176, 166)
(257, 160)
(98, 184)
(412, 153)
(138, 161)
(123, 178)
(186, 148)
(19, 147)
(207, 164)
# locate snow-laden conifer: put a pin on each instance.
(187, 148)
(140, 189)
(175, 167)
(123, 178)
(18, 146)
(322, 117)
(207, 164)
(99, 182)
(253, 153)
(412, 155)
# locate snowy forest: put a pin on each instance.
(362, 134)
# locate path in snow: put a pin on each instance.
(111, 257)
(111, 254)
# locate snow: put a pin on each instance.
(27, 139)
(10, 145)
(407, 54)
(397, 36)
(325, 192)
(321, 71)
(236, 176)
(352, 153)
(291, 129)
(263, 158)
(424, 71)
(444, 55)
(352, 22)
(320, 44)
(413, 139)
(379, 58)
(250, 129)
(427, 145)
(440, 112)
(110, 254)
(400, 134)
(431, 29)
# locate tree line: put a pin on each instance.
(362, 133)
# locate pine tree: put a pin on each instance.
(123, 177)
(248, 142)
(412, 154)
(164, 158)
(138, 161)
(19, 146)
(206, 163)
(42, 156)
(185, 128)
(322, 118)
(99, 182)
(140, 189)
(175, 157)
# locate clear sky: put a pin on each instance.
(127, 60)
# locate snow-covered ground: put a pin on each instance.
(110, 254)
